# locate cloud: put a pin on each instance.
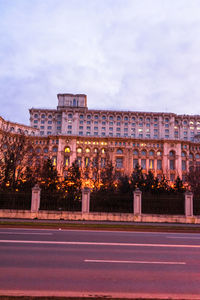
(124, 54)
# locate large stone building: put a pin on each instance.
(165, 143)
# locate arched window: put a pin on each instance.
(191, 156)
(55, 149)
(95, 150)
(35, 115)
(38, 150)
(119, 151)
(135, 152)
(144, 152)
(111, 118)
(172, 154)
(87, 150)
(125, 118)
(43, 116)
(46, 150)
(151, 153)
(103, 151)
(74, 102)
(67, 150)
(159, 153)
(183, 154)
(79, 150)
(69, 116)
(49, 116)
(118, 118)
(197, 156)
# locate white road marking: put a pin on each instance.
(98, 244)
(134, 262)
(26, 233)
(183, 237)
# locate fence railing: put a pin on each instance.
(57, 201)
(15, 200)
(167, 204)
(112, 202)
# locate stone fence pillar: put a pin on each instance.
(188, 204)
(86, 200)
(35, 200)
(137, 196)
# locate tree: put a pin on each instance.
(178, 185)
(193, 178)
(107, 176)
(137, 178)
(49, 176)
(73, 182)
(14, 159)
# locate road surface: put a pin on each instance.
(82, 263)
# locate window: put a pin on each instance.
(118, 118)
(159, 164)
(151, 153)
(79, 150)
(118, 129)
(54, 161)
(58, 122)
(66, 161)
(87, 150)
(41, 127)
(42, 122)
(119, 151)
(49, 116)
(172, 164)
(46, 150)
(49, 122)
(103, 117)
(135, 152)
(143, 152)
(111, 118)
(35, 115)
(135, 163)
(88, 122)
(151, 164)
(125, 118)
(69, 132)
(79, 160)
(119, 163)
(87, 161)
(96, 117)
(55, 149)
(35, 121)
(81, 127)
(70, 116)
(81, 116)
(183, 165)
(48, 132)
(43, 116)
(143, 164)
(69, 127)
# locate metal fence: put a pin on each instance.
(15, 200)
(52, 200)
(196, 205)
(106, 201)
(167, 204)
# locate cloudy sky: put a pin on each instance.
(139, 55)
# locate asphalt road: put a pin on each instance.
(82, 263)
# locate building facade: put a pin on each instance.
(164, 143)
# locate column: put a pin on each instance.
(35, 200)
(137, 195)
(188, 204)
(86, 200)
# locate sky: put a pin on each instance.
(138, 55)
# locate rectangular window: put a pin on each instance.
(103, 128)
(183, 165)
(119, 163)
(69, 127)
(95, 128)
(118, 129)
(58, 128)
(159, 164)
(103, 162)
(58, 122)
(79, 160)
(125, 129)
(110, 128)
(80, 122)
(172, 164)
(135, 163)
(88, 127)
(69, 132)
(49, 122)
(81, 127)
(35, 121)
(80, 133)
(151, 164)
(143, 164)
(42, 122)
(67, 161)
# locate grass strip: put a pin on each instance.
(101, 226)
